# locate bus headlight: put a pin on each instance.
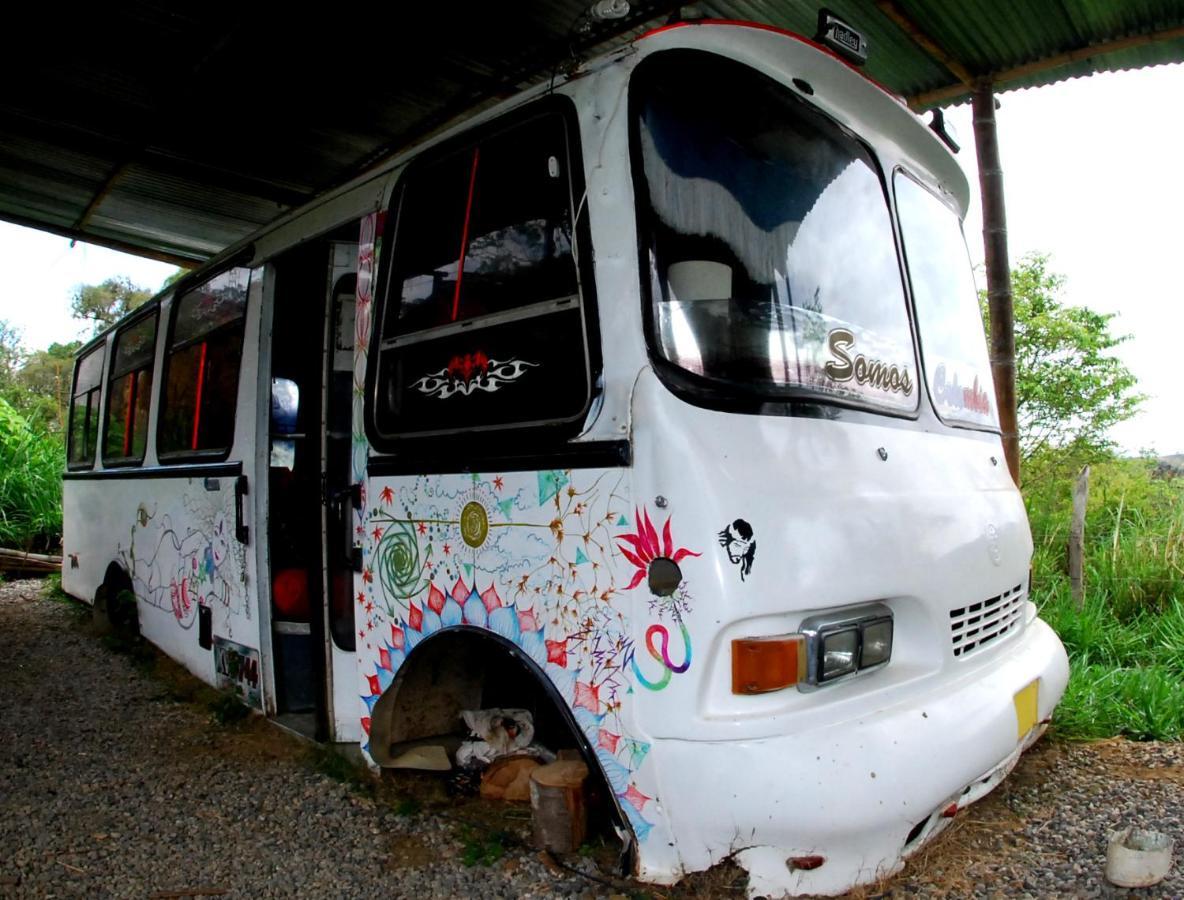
(876, 647)
(840, 654)
(846, 642)
(827, 648)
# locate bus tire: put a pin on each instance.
(115, 608)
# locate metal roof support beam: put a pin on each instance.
(958, 92)
(999, 302)
(919, 37)
(100, 196)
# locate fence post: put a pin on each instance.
(1077, 538)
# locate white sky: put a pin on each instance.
(38, 275)
(1092, 174)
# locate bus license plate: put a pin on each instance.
(1026, 708)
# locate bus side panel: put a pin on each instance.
(86, 537)
(178, 543)
(544, 559)
(176, 537)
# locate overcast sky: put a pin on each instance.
(1092, 173)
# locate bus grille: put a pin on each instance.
(973, 627)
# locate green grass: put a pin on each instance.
(227, 709)
(31, 465)
(483, 848)
(1126, 643)
(332, 764)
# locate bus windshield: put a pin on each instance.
(948, 318)
(773, 267)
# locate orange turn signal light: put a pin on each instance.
(763, 664)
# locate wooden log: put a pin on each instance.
(508, 778)
(1077, 539)
(23, 561)
(559, 807)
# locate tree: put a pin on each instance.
(1070, 387)
(107, 303)
(10, 355)
(46, 378)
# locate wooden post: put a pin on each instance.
(1077, 538)
(560, 811)
(990, 180)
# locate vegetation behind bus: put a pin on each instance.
(1126, 643)
(34, 412)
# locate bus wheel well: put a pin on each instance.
(115, 601)
(463, 668)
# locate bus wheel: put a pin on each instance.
(462, 668)
(115, 604)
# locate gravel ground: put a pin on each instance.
(115, 782)
(110, 787)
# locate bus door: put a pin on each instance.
(340, 496)
(308, 481)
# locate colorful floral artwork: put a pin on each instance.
(543, 559)
(644, 553)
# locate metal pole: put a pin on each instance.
(990, 178)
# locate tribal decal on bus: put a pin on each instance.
(472, 372)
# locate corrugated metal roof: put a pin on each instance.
(176, 130)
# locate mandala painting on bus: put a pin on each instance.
(550, 561)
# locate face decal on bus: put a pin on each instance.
(738, 540)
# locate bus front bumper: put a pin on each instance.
(823, 810)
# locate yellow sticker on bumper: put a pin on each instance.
(1027, 708)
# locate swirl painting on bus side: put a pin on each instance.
(548, 560)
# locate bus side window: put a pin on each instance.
(201, 368)
(129, 392)
(84, 409)
(484, 326)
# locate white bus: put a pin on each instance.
(655, 401)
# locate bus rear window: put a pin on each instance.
(953, 345)
(84, 409)
(130, 393)
(202, 364)
(773, 268)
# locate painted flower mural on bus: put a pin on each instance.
(543, 560)
(646, 548)
(656, 562)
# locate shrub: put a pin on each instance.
(31, 466)
(1126, 642)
